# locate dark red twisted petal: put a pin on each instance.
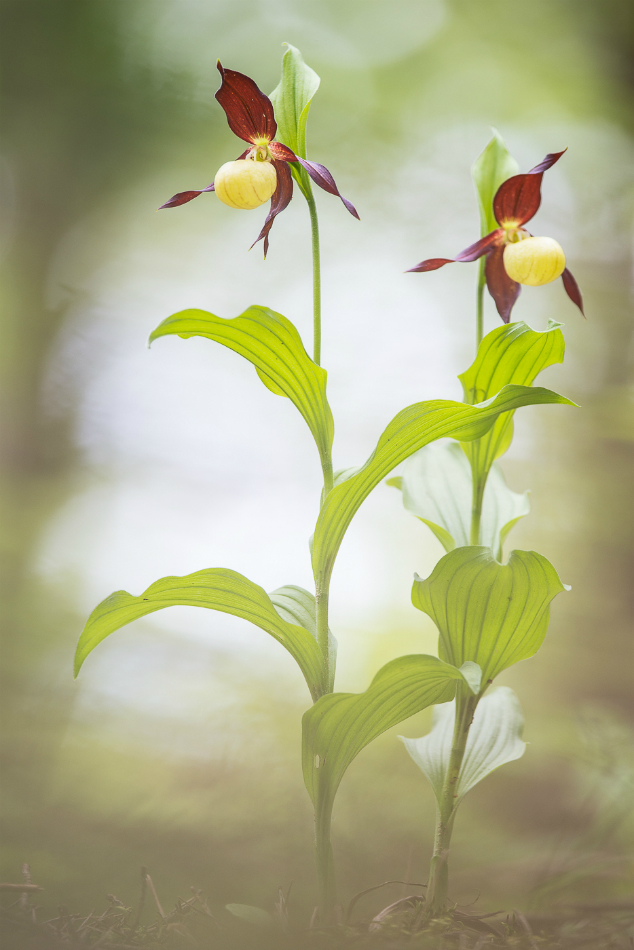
(572, 289)
(322, 177)
(502, 288)
(471, 253)
(518, 198)
(184, 196)
(279, 201)
(547, 163)
(249, 112)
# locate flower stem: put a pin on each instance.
(437, 891)
(314, 230)
(480, 303)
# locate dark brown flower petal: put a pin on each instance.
(249, 112)
(502, 288)
(184, 196)
(279, 201)
(471, 253)
(518, 198)
(282, 152)
(322, 177)
(572, 289)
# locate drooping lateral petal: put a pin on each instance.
(322, 177)
(518, 199)
(279, 201)
(471, 253)
(249, 112)
(502, 288)
(572, 289)
(184, 196)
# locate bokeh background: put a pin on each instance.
(178, 747)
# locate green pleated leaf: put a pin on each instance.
(495, 738)
(509, 354)
(216, 589)
(297, 606)
(492, 167)
(437, 488)
(273, 345)
(409, 431)
(291, 99)
(490, 613)
(340, 725)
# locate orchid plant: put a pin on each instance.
(489, 614)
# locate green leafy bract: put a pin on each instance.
(291, 99)
(291, 102)
(297, 606)
(437, 488)
(217, 589)
(340, 725)
(495, 738)
(409, 431)
(509, 354)
(273, 345)
(492, 167)
(490, 613)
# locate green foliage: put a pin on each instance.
(490, 613)
(511, 354)
(437, 488)
(291, 99)
(492, 167)
(495, 738)
(273, 345)
(340, 725)
(216, 589)
(409, 431)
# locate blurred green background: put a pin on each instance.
(178, 747)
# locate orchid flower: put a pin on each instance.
(262, 171)
(513, 255)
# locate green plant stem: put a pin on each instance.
(480, 303)
(477, 496)
(325, 863)
(314, 230)
(323, 809)
(437, 890)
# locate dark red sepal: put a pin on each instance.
(249, 112)
(184, 196)
(322, 177)
(279, 201)
(518, 199)
(471, 253)
(572, 289)
(502, 288)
